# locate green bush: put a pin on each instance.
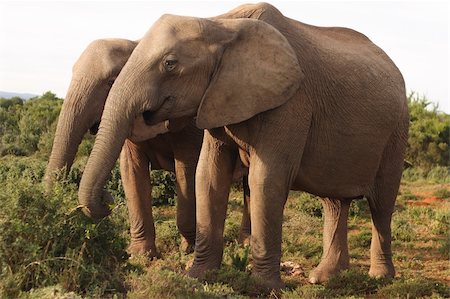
(429, 134)
(309, 204)
(164, 190)
(45, 240)
(22, 124)
(359, 208)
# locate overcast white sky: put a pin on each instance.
(41, 40)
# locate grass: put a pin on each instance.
(48, 249)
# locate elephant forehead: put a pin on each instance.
(170, 28)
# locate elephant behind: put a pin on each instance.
(173, 146)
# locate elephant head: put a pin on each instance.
(93, 76)
(221, 71)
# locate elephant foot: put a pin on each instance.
(143, 248)
(325, 270)
(198, 271)
(269, 282)
(186, 246)
(382, 270)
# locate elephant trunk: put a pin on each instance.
(115, 127)
(71, 127)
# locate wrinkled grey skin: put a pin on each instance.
(321, 110)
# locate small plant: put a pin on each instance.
(440, 221)
(407, 195)
(353, 283)
(239, 256)
(444, 247)
(168, 237)
(402, 230)
(439, 174)
(442, 193)
(414, 288)
(361, 240)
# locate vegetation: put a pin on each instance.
(429, 134)
(49, 249)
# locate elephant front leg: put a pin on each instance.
(134, 169)
(213, 181)
(335, 248)
(268, 196)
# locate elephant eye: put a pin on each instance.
(170, 64)
(111, 82)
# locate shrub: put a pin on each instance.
(45, 240)
(359, 208)
(164, 190)
(429, 134)
(309, 204)
(23, 125)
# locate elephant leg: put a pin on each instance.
(212, 186)
(245, 231)
(335, 248)
(269, 191)
(186, 144)
(134, 169)
(185, 174)
(382, 201)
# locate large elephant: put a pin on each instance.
(308, 108)
(173, 146)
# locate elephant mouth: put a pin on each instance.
(152, 117)
(94, 129)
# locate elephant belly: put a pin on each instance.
(344, 169)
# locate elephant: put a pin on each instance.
(321, 110)
(173, 146)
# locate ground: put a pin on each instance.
(420, 246)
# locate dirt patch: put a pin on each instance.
(431, 200)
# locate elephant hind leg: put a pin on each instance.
(382, 200)
(335, 248)
(245, 230)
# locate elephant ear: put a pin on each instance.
(258, 71)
